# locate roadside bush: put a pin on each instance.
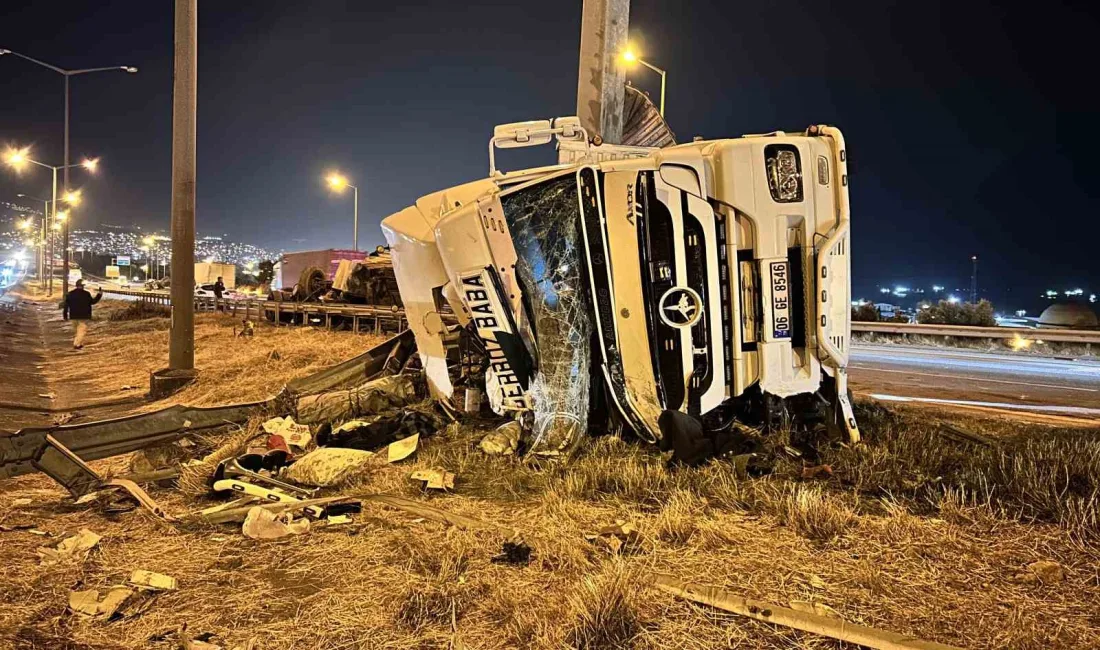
(959, 313)
(140, 310)
(866, 313)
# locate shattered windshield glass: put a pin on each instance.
(544, 221)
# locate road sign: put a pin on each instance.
(123, 260)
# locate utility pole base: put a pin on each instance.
(166, 381)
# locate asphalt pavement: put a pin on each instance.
(1011, 382)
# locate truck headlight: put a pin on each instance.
(784, 172)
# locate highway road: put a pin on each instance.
(1057, 386)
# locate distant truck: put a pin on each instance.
(209, 272)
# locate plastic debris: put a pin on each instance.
(503, 441)
(435, 478)
(152, 580)
(296, 435)
(263, 524)
(70, 546)
(402, 449)
(118, 600)
(617, 537)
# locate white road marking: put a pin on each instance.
(1070, 410)
(977, 379)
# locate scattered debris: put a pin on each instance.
(328, 466)
(152, 580)
(48, 395)
(372, 397)
(617, 537)
(502, 441)
(379, 430)
(119, 601)
(1044, 572)
(296, 435)
(435, 478)
(953, 432)
(264, 524)
(516, 552)
(402, 449)
(69, 547)
(65, 418)
(799, 620)
(810, 472)
(126, 387)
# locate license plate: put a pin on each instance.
(781, 302)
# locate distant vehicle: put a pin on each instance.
(207, 291)
(153, 285)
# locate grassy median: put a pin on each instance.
(970, 544)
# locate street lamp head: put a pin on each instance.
(16, 157)
(337, 182)
(73, 198)
(3, 52)
(628, 56)
(129, 68)
(25, 224)
(59, 217)
(90, 164)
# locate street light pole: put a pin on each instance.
(181, 351)
(628, 56)
(355, 227)
(41, 262)
(67, 73)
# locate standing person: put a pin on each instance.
(219, 289)
(77, 306)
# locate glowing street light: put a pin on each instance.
(954, 300)
(18, 158)
(61, 216)
(338, 182)
(629, 57)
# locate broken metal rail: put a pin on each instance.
(1084, 337)
(61, 450)
(362, 317)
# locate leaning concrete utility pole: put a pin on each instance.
(601, 81)
(181, 346)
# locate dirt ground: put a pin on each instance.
(963, 544)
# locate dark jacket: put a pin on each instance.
(219, 288)
(78, 304)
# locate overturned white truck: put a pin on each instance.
(709, 279)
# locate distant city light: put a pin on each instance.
(937, 288)
(884, 290)
(1051, 293)
(1075, 292)
(1021, 312)
(953, 299)
(1092, 297)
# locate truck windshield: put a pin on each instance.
(544, 221)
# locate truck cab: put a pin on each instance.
(709, 278)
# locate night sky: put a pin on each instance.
(969, 125)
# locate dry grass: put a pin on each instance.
(913, 533)
(231, 368)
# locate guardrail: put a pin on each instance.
(375, 317)
(966, 331)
